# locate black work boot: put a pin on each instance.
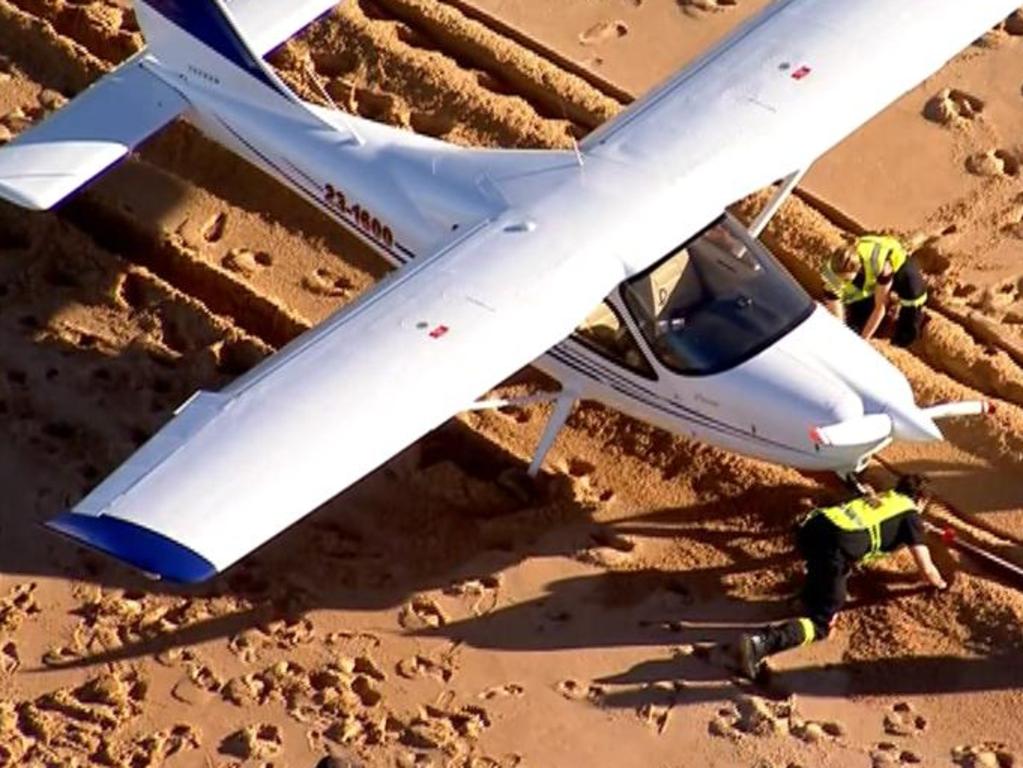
(752, 652)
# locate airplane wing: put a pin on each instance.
(233, 469)
(784, 88)
(73, 146)
(84, 138)
(265, 25)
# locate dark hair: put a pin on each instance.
(914, 486)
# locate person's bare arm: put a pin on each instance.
(835, 307)
(922, 556)
(881, 293)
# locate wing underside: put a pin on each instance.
(235, 468)
(98, 128)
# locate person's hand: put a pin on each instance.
(937, 580)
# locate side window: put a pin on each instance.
(604, 332)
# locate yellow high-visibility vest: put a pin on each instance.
(874, 251)
(864, 515)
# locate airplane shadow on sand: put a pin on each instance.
(650, 606)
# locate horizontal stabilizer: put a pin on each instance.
(863, 430)
(964, 408)
(99, 127)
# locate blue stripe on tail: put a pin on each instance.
(205, 21)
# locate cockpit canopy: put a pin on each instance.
(715, 302)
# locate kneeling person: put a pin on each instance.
(860, 280)
(832, 540)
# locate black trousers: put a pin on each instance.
(824, 592)
(827, 570)
(908, 323)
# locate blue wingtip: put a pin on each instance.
(140, 547)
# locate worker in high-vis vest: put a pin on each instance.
(876, 274)
(832, 540)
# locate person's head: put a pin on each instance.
(845, 262)
(916, 488)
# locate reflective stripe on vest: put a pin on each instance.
(809, 634)
(919, 301)
(862, 515)
(874, 251)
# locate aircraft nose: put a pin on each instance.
(882, 387)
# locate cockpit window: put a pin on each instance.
(604, 332)
(715, 302)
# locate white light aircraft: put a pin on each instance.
(503, 253)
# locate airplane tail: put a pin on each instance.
(198, 39)
(202, 40)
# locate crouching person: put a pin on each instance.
(832, 540)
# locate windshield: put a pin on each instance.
(604, 332)
(715, 302)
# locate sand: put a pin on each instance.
(428, 616)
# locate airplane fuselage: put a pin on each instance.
(815, 373)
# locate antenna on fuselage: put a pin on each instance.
(571, 134)
(344, 114)
(578, 154)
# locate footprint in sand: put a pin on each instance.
(324, 282)
(953, 107)
(573, 690)
(994, 163)
(903, 720)
(213, 229)
(422, 666)
(256, 742)
(888, 755)
(358, 640)
(199, 685)
(246, 690)
(51, 100)
(586, 491)
(18, 605)
(662, 698)
(9, 659)
(509, 691)
(482, 593)
(989, 754)
(603, 31)
(245, 262)
(707, 5)
(756, 716)
(420, 613)
(154, 749)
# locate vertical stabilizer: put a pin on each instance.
(199, 38)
